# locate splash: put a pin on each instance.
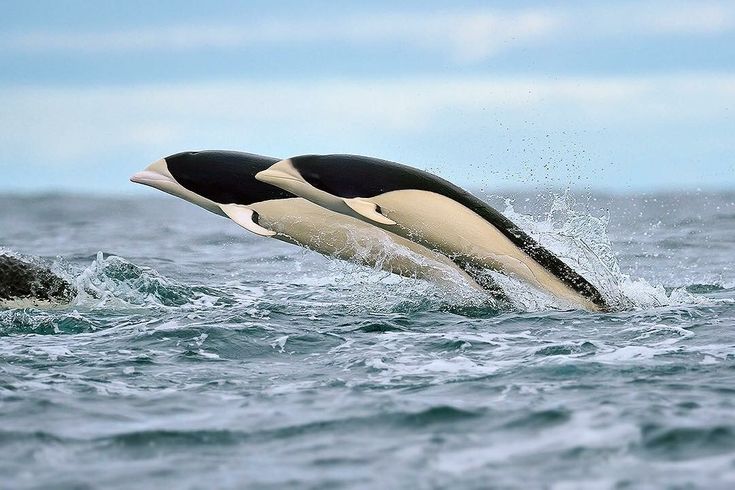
(360, 281)
(346, 288)
(582, 241)
(114, 281)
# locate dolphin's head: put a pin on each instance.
(303, 176)
(286, 175)
(222, 182)
(345, 176)
(340, 183)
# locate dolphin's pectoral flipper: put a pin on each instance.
(369, 210)
(245, 217)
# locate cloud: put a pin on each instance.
(701, 18)
(61, 124)
(465, 36)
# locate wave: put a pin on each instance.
(583, 242)
(113, 283)
(110, 284)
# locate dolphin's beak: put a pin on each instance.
(158, 176)
(279, 173)
(155, 175)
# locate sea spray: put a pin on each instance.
(582, 241)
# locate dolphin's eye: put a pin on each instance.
(314, 179)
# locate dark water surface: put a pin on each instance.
(198, 356)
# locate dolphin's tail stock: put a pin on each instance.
(540, 254)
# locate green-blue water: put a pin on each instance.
(197, 356)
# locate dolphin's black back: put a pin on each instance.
(368, 177)
(224, 176)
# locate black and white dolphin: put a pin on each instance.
(24, 283)
(224, 183)
(429, 210)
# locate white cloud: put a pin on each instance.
(698, 18)
(465, 36)
(62, 124)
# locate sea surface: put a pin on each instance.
(196, 355)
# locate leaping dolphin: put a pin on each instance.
(224, 183)
(435, 213)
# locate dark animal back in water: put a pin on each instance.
(24, 280)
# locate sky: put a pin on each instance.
(614, 96)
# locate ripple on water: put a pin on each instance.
(221, 361)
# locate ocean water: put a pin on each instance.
(197, 356)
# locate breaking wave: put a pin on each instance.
(581, 240)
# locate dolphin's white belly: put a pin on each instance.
(299, 221)
(444, 225)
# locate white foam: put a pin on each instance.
(582, 241)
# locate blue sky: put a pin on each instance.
(595, 95)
